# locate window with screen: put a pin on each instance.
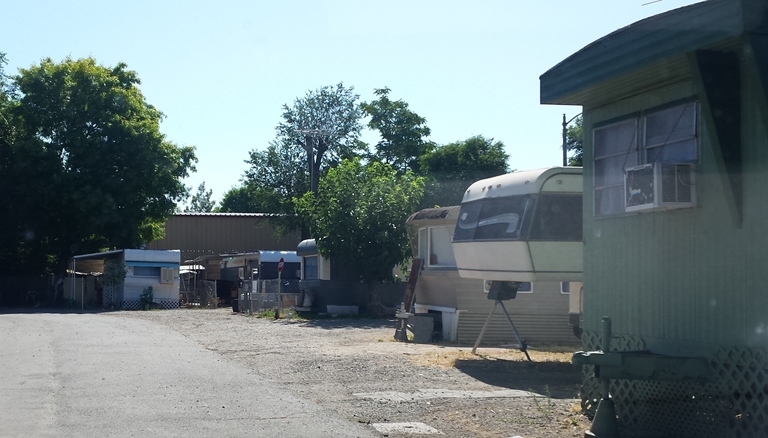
(668, 135)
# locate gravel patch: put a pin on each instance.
(355, 367)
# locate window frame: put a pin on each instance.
(429, 247)
(638, 150)
(143, 271)
(316, 267)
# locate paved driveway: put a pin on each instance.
(91, 375)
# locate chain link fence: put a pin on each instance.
(269, 295)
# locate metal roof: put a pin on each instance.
(229, 214)
(520, 183)
(97, 255)
(307, 248)
(657, 45)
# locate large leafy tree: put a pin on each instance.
(243, 199)
(358, 215)
(275, 176)
(11, 237)
(93, 170)
(454, 167)
(402, 131)
(316, 133)
(325, 123)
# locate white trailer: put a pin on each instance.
(523, 227)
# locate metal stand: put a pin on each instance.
(605, 425)
(522, 345)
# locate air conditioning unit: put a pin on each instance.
(659, 186)
(167, 275)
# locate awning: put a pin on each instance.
(152, 264)
(97, 255)
(307, 248)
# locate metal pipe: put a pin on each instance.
(606, 349)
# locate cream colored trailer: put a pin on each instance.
(522, 226)
(460, 305)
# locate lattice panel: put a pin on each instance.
(169, 304)
(734, 405)
(136, 304)
(131, 304)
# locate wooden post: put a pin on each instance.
(408, 300)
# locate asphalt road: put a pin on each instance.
(91, 375)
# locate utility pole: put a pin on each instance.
(310, 139)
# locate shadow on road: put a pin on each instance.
(57, 310)
(351, 322)
(552, 379)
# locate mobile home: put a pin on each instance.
(460, 305)
(675, 134)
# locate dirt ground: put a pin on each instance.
(355, 367)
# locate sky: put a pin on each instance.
(221, 71)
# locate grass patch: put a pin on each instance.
(448, 357)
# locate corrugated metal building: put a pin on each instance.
(199, 234)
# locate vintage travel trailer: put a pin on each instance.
(327, 287)
(144, 268)
(460, 306)
(524, 227)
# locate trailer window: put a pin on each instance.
(440, 250)
(491, 219)
(557, 217)
(310, 268)
(146, 271)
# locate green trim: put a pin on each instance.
(757, 47)
(717, 76)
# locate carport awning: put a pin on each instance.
(97, 255)
(152, 264)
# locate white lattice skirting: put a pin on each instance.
(734, 405)
(136, 304)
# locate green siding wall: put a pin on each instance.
(690, 275)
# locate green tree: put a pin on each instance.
(11, 237)
(325, 123)
(402, 131)
(93, 170)
(574, 143)
(358, 215)
(242, 199)
(452, 168)
(201, 201)
(275, 177)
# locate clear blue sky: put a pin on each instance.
(220, 71)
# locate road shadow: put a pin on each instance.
(349, 322)
(553, 379)
(56, 310)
